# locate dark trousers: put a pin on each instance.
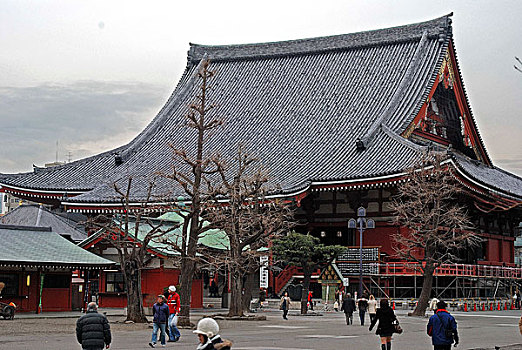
(372, 316)
(441, 347)
(362, 313)
(349, 317)
(311, 304)
(285, 313)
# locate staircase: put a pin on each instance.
(288, 275)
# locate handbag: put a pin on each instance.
(397, 328)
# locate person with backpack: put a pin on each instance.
(442, 328)
(387, 320)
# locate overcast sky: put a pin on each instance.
(92, 74)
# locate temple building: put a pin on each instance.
(337, 120)
(40, 270)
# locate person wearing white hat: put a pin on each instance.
(209, 338)
(173, 301)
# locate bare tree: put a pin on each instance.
(248, 218)
(131, 233)
(438, 227)
(190, 172)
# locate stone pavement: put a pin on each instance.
(478, 331)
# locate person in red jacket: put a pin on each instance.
(173, 301)
(311, 300)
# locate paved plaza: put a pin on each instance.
(477, 330)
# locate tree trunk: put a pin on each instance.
(236, 297)
(188, 267)
(249, 288)
(132, 277)
(307, 272)
(427, 283)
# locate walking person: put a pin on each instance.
(518, 299)
(348, 307)
(433, 304)
(362, 305)
(311, 300)
(93, 330)
(386, 318)
(285, 305)
(442, 328)
(160, 312)
(372, 307)
(173, 302)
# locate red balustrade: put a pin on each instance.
(464, 270)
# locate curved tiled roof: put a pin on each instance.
(492, 177)
(298, 106)
(35, 215)
(19, 243)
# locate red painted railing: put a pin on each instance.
(290, 271)
(284, 277)
(414, 269)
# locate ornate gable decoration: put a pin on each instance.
(330, 275)
(444, 118)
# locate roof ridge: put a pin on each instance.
(26, 228)
(373, 37)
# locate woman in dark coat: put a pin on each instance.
(386, 318)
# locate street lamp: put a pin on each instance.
(363, 224)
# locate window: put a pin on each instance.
(10, 282)
(114, 282)
(57, 281)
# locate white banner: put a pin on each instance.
(263, 271)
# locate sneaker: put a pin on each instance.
(152, 345)
(163, 345)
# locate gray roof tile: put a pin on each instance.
(38, 246)
(298, 106)
(27, 215)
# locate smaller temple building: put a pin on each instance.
(162, 263)
(42, 271)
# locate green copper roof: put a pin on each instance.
(39, 246)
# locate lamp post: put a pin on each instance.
(362, 223)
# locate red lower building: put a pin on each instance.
(40, 271)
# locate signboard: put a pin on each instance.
(352, 254)
(263, 271)
(352, 268)
(346, 281)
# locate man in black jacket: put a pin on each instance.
(93, 330)
(348, 307)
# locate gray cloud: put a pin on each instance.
(86, 117)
